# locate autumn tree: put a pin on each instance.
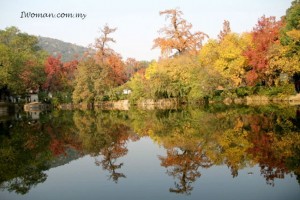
(53, 69)
(170, 78)
(226, 57)
(69, 72)
(32, 77)
(116, 70)
(100, 73)
(226, 30)
(59, 78)
(178, 78)
(177, 36)
(132, 66)
(90, 81)
(102, 43)
(108, 58)
(264, 35)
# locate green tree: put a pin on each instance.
(292, 22)
(139, 87)
(170, 77)
(89, 82)
(285, 57)
(21, 61)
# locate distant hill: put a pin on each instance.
(55, 47)
(71, 154)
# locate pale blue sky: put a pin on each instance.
(137, 21)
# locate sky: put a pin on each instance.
(137, 21)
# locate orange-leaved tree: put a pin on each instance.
(177, 36)
(108, 58)
(101, 43)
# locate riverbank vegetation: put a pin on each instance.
(192, 66)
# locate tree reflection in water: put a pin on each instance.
(183, 165)
(236, 136)
(105, 137)
(109, 163)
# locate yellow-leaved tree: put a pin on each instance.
(226, 56)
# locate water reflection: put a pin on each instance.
(24, 156)
(105, 137)
(183, 164)
(194, 140)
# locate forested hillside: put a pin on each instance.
(55, 47)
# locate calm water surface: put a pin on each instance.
(216, 152)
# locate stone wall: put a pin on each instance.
(114, 105)
(263, 100)
(150, 104)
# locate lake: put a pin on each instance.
(210, 152)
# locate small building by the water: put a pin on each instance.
(35, 115)
(126, 91)
(32, 98)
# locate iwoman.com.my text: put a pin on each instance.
(61, 15)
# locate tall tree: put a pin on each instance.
(53, 69)
(98, 74)
(90, 82)
(107, 57)
(178, 36)
(226, 30)
(102, 43)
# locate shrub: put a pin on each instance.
(284, 90)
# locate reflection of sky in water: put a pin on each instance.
(146, 179)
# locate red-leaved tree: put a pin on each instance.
(264, 34)
(59, 75)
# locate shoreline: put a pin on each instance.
(150, 104)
